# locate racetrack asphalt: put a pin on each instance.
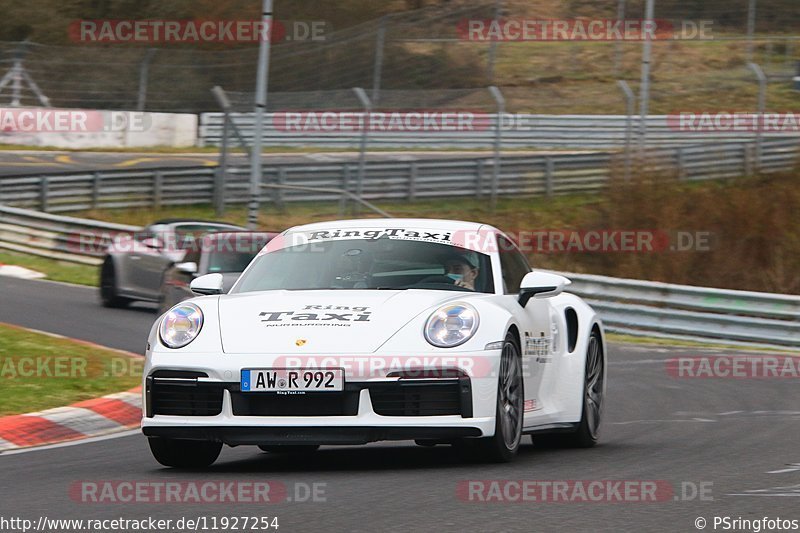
(732, 437)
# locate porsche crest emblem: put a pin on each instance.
(300, 342)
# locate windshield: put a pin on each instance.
(369, 264)
(229, 261)
(188, 236)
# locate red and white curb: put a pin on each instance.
(108, 414)
(90, 418)
(15, 271)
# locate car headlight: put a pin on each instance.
(451, 325)
(181, 325)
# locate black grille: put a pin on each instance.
(432, 398)
(309, 404)
(185, 397)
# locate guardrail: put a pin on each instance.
(57, 237)
(626, 306)
(703, 314)
(522, 131)
(385, 180)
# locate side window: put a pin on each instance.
(513, 264)
(146, 233)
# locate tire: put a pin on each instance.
(289, 448)
(587, 432)
(178, 453)
(109, 292)
(504, 445)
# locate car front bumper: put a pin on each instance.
(371, 408)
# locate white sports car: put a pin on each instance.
(357, 331)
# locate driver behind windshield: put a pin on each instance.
(463, 269)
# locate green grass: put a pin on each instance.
(556, 211)
(63, 372)
(54, 270)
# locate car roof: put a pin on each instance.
(420, 223)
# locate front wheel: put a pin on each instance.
(109, 291)
(504, 445)
(586, 434)
(179, 453)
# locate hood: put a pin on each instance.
(319, 322)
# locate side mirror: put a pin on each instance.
(206, 285)
(153, 243)
(541, 285)
(187, 268)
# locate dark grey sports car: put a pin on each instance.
(134, 265)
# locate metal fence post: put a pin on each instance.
(345, 188)
(493, 45)
(751, 27)
(279, 191)
(644, 91)
(549, 170)
(222, 169)
(144, 74)
(680, 159)
(43, 192)
(618, 42)
(158, 189)
(262, 82)
(96, 179)
(498, 139)
(362, 153)
(377, 67)
(412, 181)
(747, 157)
(762, 102)
(479, 179)
(629, 108)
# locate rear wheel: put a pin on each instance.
(109, 292)
(289, 448)
(178, 453)
(504, 445)
(585, 436)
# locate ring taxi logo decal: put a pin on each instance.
(317, 315)
(392, 233)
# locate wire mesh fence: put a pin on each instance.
(427, 50)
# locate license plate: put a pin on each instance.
(292, 379)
